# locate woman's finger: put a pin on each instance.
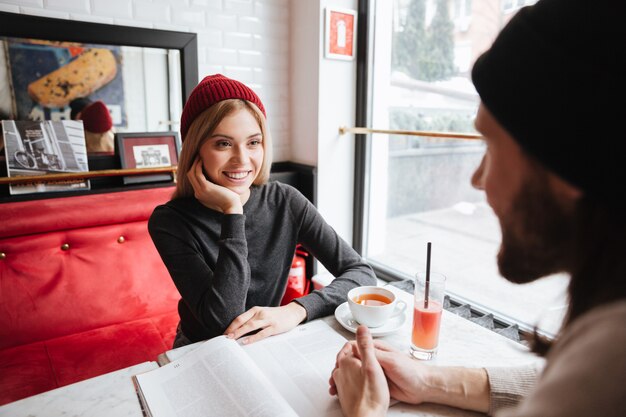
(255, 323)
(266, 332)
(192, 175)
(239, 321)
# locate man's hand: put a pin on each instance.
(272, 320)
(414, 382)
(358, 379)
(406, 376)
(212, 195)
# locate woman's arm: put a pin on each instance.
(206, 260)
(321, 240)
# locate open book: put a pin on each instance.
(283, 375)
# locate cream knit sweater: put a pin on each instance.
(584, 376)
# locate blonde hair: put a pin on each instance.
(100, 142)
(203, 127)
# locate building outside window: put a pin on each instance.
(417, 189)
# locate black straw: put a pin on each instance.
(427, 275)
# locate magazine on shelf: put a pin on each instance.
(283, 375)
(45, 147)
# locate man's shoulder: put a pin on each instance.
(588, 355)
(611, 316)
(600, 329)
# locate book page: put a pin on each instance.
(216, 379)
(299, 364)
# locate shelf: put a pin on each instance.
(71, 176)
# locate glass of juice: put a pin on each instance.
(427, 308)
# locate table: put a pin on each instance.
(462, 343)
(111, 394)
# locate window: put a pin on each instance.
(513, 5)
(417, 189)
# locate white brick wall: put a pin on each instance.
(244, 39)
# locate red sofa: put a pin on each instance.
(83, 291)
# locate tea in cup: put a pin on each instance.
(373, 306)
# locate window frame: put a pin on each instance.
(362, 171)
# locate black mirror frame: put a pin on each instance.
(37, 27)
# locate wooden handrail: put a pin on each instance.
(365, 130)
(70, 176)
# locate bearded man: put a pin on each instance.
(552, 89)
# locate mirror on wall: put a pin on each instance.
(50, 67)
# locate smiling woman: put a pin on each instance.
(228, 236)
(233, 156)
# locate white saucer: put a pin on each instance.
(344, 317)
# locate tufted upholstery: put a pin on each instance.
(82, 289)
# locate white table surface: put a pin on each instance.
(107, 395)
(461, 343)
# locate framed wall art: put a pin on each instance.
(148, 150)
(340, 33)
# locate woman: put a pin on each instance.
(228, 236)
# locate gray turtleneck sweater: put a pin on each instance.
(223, 265)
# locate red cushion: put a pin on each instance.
(47, 292)
(167, 327)
(25, 371)
(42, 366)
(51, 214)
(96, 352)
(83, 291)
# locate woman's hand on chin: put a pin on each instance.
(269, 320)
(211, 195)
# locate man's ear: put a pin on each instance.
(564, 189)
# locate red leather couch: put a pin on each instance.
(83, 291)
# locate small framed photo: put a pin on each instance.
(148, 150)
(340, 34)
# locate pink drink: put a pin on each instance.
(426, 323)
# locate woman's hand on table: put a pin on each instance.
(358, 379)
(270, 321)
(211, 195)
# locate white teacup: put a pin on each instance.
(372, 306)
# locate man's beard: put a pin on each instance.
(537, 234)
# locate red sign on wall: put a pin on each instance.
(340, 33)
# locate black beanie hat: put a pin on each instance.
(555, 79)
(77, 105)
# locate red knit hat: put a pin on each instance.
(96, 117)
(213, 89)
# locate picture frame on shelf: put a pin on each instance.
(340, 33)
(145, 150)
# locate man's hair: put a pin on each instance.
(554, 78)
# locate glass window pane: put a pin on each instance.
(419, 187)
